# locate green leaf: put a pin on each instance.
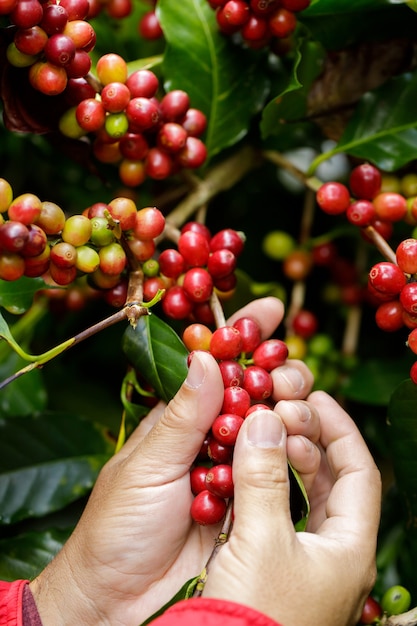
(24, 556)
(323, 7)
(156, 351)
(46, 462)
(17, 296)
(228, 83)
(290, 103)
(383, 128)
(374, 380)
(25, 395)
(402, 431)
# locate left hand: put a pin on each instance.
(135, 544)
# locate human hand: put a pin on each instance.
(135, 544)
(321, 576)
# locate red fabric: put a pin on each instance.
(192, 612)
(211, 612)
(11, 600)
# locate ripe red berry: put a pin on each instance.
(226, 343)
(142, 84)
(232, 373)
(282, 23)
(250, 331)
(406, 255)
(149, 224)
(365, 181)
(219, 480)
(225, 428)
(218, 452)
(389, 316)
(207, 508)
(371, 611)
(221, 263)
(257, 382)
(333, 198)
(25, 208)
(236, 400)
(176, 304)
(361, 212)
(390, 206)
(174, 105)
(228, 239)
(413, 373)
(387, 278)
(412, 340)
(198, 478)
(194, 248)
(13, 236)
(305, 323)
(408, 298)
(171, 263)
(198, 284)
(270, 354)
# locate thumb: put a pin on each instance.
(177, 436)
(261, 479)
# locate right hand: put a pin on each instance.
(322, 576)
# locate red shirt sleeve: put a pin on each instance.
(11, 601)
(212, 612)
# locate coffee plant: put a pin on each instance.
(164, 163)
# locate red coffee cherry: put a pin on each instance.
(226, 343)
(198, 478)
(236, 399)
(406, 255)
(333, 198)
(250, 332)
(365, 181)
(270, 354)
(257, 382)
(387, 278)
(226, 426)
(207, 508)
(219, 480)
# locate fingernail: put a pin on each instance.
(292, 377)
(265, 430)
(196, 372)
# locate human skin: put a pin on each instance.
(135, 543)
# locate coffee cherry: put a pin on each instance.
(390, 206)
(197, 337)
(54, 18)
(88, 260)
(198, 284)
(63, 255)
(305, 323)
(250, 333)
(26, 13)
(207, 508)
(142, 84)
(174, 105)
(236, 399)
(35, 243)
(219, 480)
(387, 278)
(396, 600)
(112, 259)
(226, 343)
(12, 266)
(59, 49)
(218, 452)
(30, 40)
(270, 354)
(228, 239)
(282, 23)
(6, 195)
(77, 230)
(62, 275)
(365, 181)
(111, 68)
(406, 255)
(389, 316)
(232, 373)
(194, 248)
(149, 26)
(171, 263)
(13, 236)
(194, 122)
(408, 298)
(149, 223)
(90, 115)
(225, 428)
(25, 208)
(298, 264)
(51, 218)
(47, 78)
(257, 382)
(115, 97)
(176, 304)
(333, 198)
(361, 212)
(198, 478)
(371, 611)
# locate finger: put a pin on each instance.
(292, 381)
(353, 505)
(260, 474)
(174, 441)
(267, 312)
(302, 424)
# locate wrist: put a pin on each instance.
(61, 599)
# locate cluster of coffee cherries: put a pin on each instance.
(391, 283)
(245, 362)
(258, 22)
(394, 601)
(189, 273)
(37, 239)
(130, 126)
(51, 38)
